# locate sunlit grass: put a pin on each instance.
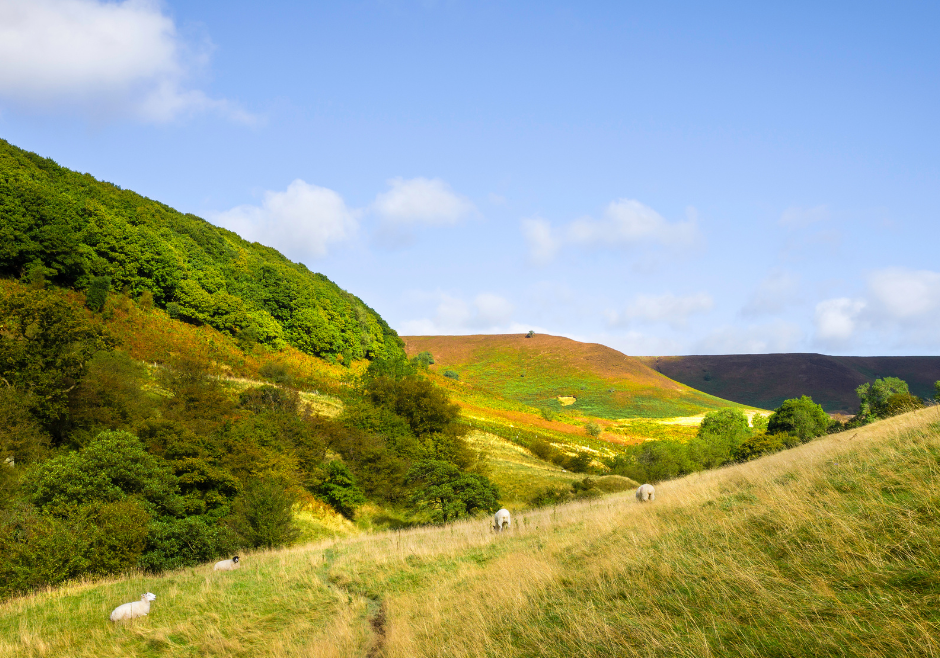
(829, 549)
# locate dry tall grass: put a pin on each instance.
(829, 549)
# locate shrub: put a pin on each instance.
(262, 515)
(452, 374)
(900, 403)
(269, 398)
(593, 429)
(759, 445)
(114, 467)
(97, 294)
(530, 334)
(579, 463)
(547, 413)
(423, 360)
(277, 372)
(186, 542)
(801, 418)
(444, 493)
(338, 488)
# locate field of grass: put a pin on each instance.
(830, 549)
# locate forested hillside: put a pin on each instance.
(78, 232)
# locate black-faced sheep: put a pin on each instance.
(501, 520)
(226, 565)
(645, 493)
(134, 608)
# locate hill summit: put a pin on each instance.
(551, 371)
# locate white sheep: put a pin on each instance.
(501, 520)
(227, 565)
(134, 608)
(645, 493)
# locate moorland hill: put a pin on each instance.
(558, 373)
(766, 380)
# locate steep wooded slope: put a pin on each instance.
(71, 228)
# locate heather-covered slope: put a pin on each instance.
(560, 373)
(766, 380)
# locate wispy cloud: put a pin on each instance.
(624, 224)
(102, 59)
(421, 201)
(486, 313)
(674, 310)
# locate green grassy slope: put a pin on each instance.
(71, 228)
(537, 371)
(830, 549)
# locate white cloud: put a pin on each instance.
(668, 308)
(542, 243)
(487, 313)
(771, 337)
(421, 201)
(625, 223)
(836, 319)
(101, 58)
(773, 294)
(304, 220)
(798, 217)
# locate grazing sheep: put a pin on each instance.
(501, 520)
(134, 608)
(226, 565)
(645, 493)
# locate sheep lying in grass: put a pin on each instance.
(501, 520)
(134, 608)
(645, 493)
(226, 565)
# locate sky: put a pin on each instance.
(663, 178)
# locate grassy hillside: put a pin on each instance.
(766, 380)
(830, 549)
(82, 233)
(563, 375)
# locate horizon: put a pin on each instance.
(669, 180)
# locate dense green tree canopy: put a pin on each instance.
(800, 417)
(80, 232)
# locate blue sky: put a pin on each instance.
(663, 178)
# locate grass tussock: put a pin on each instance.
(829, 549)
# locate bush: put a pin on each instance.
(547, 413)
(579, 463)
(97, 295)
(269, 398)
(178, 543)
(262, 515)
(278, 373)
(423, 360)
(114, 467)
(900, 403)
(761, 444)
(444, 493)
(801, 418)
(873, 398)
(452, 374)
(338, 488)
(593, 429)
